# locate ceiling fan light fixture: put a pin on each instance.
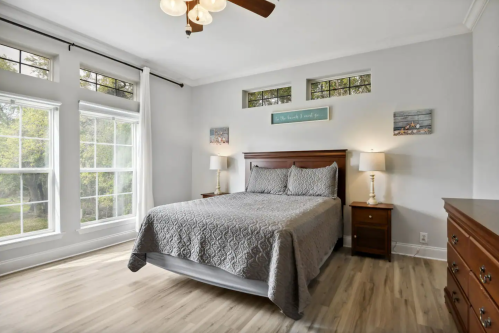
(200, 15)
(173, 7)
(213, 5)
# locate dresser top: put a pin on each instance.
(484, 212)
(362, 204)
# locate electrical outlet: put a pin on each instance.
(423, 237)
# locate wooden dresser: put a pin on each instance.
(472, 292)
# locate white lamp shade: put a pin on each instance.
(218, 162)
(372, 162)
(173, 7)
(213, 5)
(200, 15)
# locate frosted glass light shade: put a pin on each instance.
(218, 162)
(173, 7)
(372, 162)
(213, 5)
(200, 15)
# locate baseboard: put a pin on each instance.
(419, 251)
(45, 257)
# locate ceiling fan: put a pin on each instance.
(198, 11)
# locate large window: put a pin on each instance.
(344, 86)
(107, 168)
(23, 62)
(269, 97)
(105, 84)
(26, 173)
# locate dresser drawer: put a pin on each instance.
(475, 324)
(458, 267)
(458, 238)
(483, 305)
(370, 215)
(485, 267)
(460, 301)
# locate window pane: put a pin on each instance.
(125, 86)
(253, 104)
(124, 203)
(88, 85)
(9, 66)
(361, 90)
(254, 96)
(35, 187)
(354, 81)
(35, 153)
(270, 93)
(320, 86)
(87, 212)
(35, 60)
(105, 155)
(10, 189)
(35, 123)
(9, 153)
(285, 91)
(320, 95)
(87, 184)
(339, 92)
(106, 207)
(106, 81)
(9, 53)
(365, 79)
(87, 129)
(124, 94)
(106, 183)
(35, 217)
(105, 130)
(10, 220)
(87, 155)
(283, 100)
(87, 75)
(9, 119)
(123, 157)
(339, 83)
(35, 72)
(271, 101)
(106, 90)
(124, 182)
(123, 133)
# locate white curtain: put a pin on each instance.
(145, 199)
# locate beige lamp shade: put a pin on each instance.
(218, 162)
(372, 162)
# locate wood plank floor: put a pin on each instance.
(96, 292)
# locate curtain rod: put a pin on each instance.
(84, 48)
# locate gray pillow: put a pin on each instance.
(322, 182)
(270, 181)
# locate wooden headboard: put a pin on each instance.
(302, 159)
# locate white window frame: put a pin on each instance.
(52, 170)
(335, 77)
(100, 111)
(277, 86)
(22, 49)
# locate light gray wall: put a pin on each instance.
(171, 145)
(486, 104)
(420, 169)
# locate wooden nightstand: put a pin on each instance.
(209, 195)
(372, 228)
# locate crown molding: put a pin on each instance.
(474, 13)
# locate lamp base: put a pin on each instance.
(372, 197)
(372, 201)
(217, 192)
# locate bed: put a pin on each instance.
(263, 244)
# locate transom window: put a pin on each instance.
(105, 84)
(23, 62)
(107, 168)
(26, 172)
(269, 97)
(351, 85)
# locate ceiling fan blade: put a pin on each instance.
(195, 27)
(260, 7)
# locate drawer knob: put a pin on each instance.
(454, 239)
(486, 277)
(455, 299)
(370, 216)
(354, 236)
(487, 322)
(454, 268)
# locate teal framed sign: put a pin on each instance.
(300, 116)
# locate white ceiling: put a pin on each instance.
(239, 42)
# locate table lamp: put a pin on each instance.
(218, 163)
(372, 162)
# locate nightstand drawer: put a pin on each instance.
(370, 215)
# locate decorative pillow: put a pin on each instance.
(269, 181)
(322, 182)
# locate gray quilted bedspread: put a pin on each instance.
(279, 239)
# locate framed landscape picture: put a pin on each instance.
(219, 136)
(417, 122)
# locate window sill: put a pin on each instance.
(27, 241)
(106, 225)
